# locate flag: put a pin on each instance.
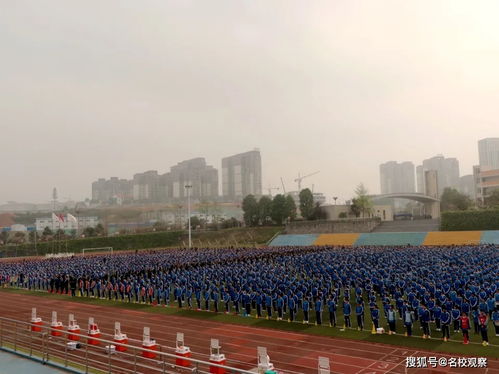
(72, 218)
(61, 217)
(55, 218)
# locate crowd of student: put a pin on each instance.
(442, 288)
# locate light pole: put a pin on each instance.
(188, 187)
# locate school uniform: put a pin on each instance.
(445, 319)
(359, 312)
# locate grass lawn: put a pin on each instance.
(454, 346)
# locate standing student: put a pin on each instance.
(425, 321)
(347, 310)
(408, 321)
(318, 311)
(280, 306)
(331, 306)
(392, 318)
(258, 302)
(465, 326)
(437, 315)
(483, 320)
(445, 320)
(305, 307)
(476, 325)
(375, 316)
(291, 305)
(268, 305)
(455, 315)
(359, 312)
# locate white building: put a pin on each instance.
(488, 153)
(53, 224)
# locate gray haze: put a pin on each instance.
(108, 88)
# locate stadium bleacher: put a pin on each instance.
(433, 238)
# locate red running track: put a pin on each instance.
(290, 352)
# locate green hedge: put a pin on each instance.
(122, 242)
(470, 220)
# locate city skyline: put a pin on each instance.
(95, 89)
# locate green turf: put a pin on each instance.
(416, 342)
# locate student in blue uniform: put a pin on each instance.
(318, 311)
(305, 308)
(375, 316)
(268, 305)
(359, 312)
(408, 320)
(474, 317)
(455, 315)
(280, 305)
(392, 318)
(331, 306)
(445, 319)
(425, 321)
(347, 310)
(291, 306)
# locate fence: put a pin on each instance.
(95, 356)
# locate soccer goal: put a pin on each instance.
(108, 250)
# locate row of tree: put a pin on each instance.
(453, 200)
(280, 209)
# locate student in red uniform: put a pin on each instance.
(483, 320)
(465, 326)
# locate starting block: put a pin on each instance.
(56, 326)
(182, 351)
(148, 343)
(119, 338)
(216, 357)
(93, 332)
(264, 364)
(73, 328)
(324, 367)
(36, 322)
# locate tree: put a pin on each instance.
(362, 202)
(195, 222)
(290, 208)
(343, 215)
(306, 203)
(264, 210)
(318, 213)
(452, 199)
(279, 209)
(47, 232)
(355, 207)
(250, 209)
(492, 201)
(99, 229)
(4, 237)
(89, 232)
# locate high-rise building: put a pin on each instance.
(488, 153)
(396, 177)
(146, 186)
(106, 190)
(195, 172)
(242, 175)
(447, 172)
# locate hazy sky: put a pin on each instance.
(109, 88)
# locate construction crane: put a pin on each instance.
(300, 178)
(283, 188)
(272, 188)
